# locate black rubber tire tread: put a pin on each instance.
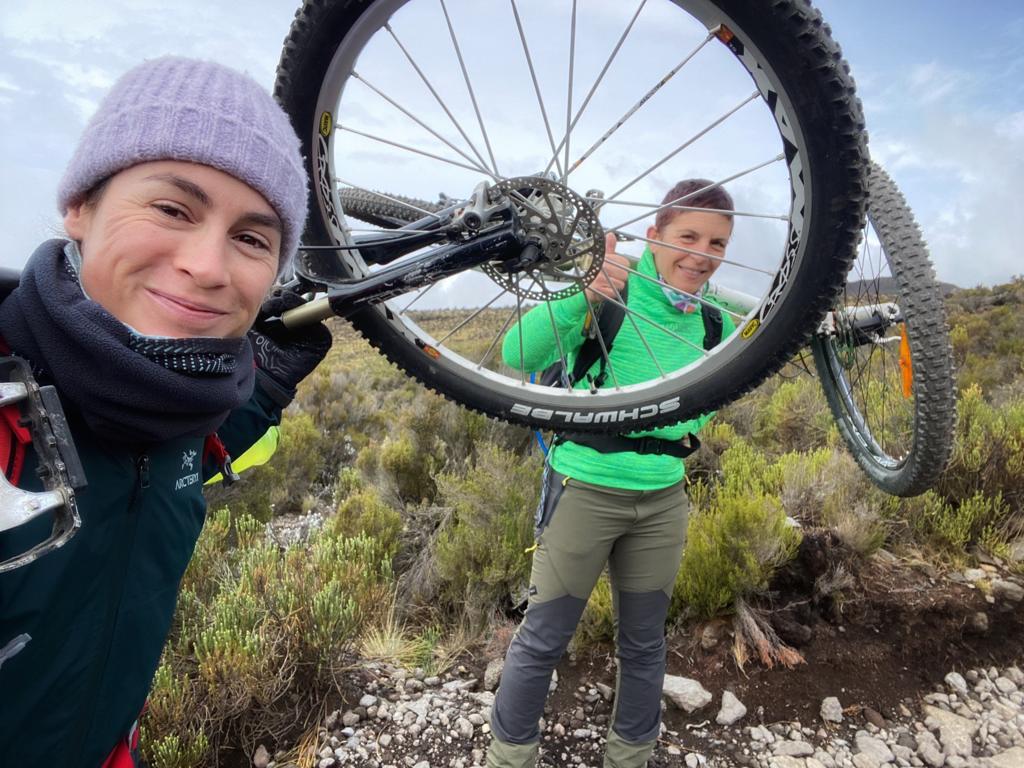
(381, 211)
(924, 309)
(819, 83)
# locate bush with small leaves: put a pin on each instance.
(733, 547)
(281, 485)
(598, 621)
(795, 417)
(480, 554)
(364, 512)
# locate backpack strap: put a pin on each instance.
(713, 325)
(713, 330)
(610, 315)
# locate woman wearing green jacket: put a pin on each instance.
(624, 509)
(183, 204)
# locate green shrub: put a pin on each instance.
(988, 451)
(733, 547)
(480, 554)
(950, 528)
(795, 417)
(259, 635)
(282, 485)
(598, 621)
(365, 513)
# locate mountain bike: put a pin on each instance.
(369, 93)
(534, 238)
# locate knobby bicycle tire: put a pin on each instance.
(799, 67)
(381, 210)
(933, 411)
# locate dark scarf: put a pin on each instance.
(128, 388)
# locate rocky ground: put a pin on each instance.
(923, 674)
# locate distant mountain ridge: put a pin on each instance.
(888, 286)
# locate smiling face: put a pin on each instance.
(701, 232)
(177, 249)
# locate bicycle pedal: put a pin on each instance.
(60, 469)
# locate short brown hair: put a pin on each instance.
(693, 193)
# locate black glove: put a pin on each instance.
(285, 356)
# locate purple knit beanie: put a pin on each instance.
(174, 108)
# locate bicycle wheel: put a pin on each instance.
(887, 366)
(394, 94)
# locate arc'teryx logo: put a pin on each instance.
(188, 459)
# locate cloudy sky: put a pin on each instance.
(942, 83)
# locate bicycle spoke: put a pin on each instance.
(593, 88)
(659, 326)
(711, 126)
(568, 106)
(746, 172)
(605, 353)
(681, 249)
(522, 356)
(407, 148)
(536, 85)
(478, 311)
(639, 333)
(643, 100)
(554, 329)
(494, 343)
(469, 87)
(723, 211)
(418, 296)
(437, 97)
(687, 294)
(419, 122)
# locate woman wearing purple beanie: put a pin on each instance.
(183, 204)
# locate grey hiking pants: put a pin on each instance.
(640, 535)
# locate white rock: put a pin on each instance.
(1007, 590)
(350, 719)
(492, 675)
(326, 762)
(261, 757)
(1011, 758)
(367, 701)
(1005, 685)
(955, 732)
(831, 710)
(786, 761)
(384, 740)
(956, 681)
(582, 733)
(686, 694)
(554, 681)
(732, 709)
(606, 691)
(793, 748)
(874, 748)
(464, 728)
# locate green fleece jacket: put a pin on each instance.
(631, 362)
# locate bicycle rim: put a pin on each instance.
(886, 368)
(345, 65)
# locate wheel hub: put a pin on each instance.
(565, 228)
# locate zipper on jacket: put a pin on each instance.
(141, 483)
(142, 466)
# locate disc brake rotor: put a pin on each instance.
(568, 233)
